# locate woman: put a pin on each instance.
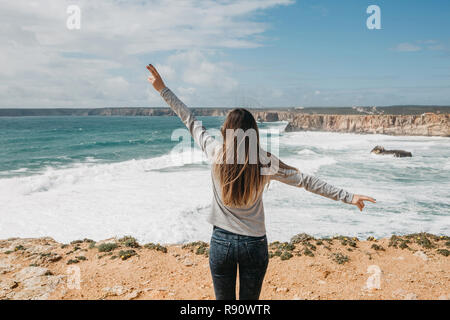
(240, 171)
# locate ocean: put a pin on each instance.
(97, 177)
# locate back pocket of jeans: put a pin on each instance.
(258, 251)
(218, 251)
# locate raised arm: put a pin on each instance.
(294, 177)
(206, 142)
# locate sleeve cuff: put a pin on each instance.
(349, 198)
(163, 91)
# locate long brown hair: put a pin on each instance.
(238, 166)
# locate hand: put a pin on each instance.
(358, 200)
(155, 79)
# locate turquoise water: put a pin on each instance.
(30, 144)
(98, 177)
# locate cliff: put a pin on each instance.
(271, 116)
(427, 124)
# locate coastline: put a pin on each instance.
(408, 267)
(397, 121)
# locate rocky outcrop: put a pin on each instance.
(271, 116)
(396, 153)
(427, 124)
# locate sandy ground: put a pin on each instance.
(341, 268)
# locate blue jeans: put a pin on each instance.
(228, 251)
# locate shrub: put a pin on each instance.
(423, 239)
(347, 240)
(444, 252)
(398, 242)
(340, 258)
(129, 241)
(301, 237)
(156, 247)
(377, 247)
(107, 247)
(286, 255)
(308, 252)
(198, 247)
(126, 254)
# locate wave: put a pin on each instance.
(309, 165)
(167, 198)
(99, 200)
(52, 177)
(306, 152)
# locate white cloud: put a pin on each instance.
(430, 41)
(196, 69)
(43, 64)
(437, 47)
(407, 47)
(432, 45)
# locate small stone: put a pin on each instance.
(410, 296)
(8, 284)
(282, 290)
(188, 263)
(132, 295)
(421, 255)
(399, 292)
(114, 291)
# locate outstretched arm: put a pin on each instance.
(206, 142)
(294, 177)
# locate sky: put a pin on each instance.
(227, 53)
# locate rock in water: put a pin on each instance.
(396, 153)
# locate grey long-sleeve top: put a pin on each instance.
(249, 220)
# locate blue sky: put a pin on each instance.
(267, 53)
(326, 45)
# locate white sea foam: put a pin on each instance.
(101, 200)
(306, 152)
(163, 199)
(309, 165)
